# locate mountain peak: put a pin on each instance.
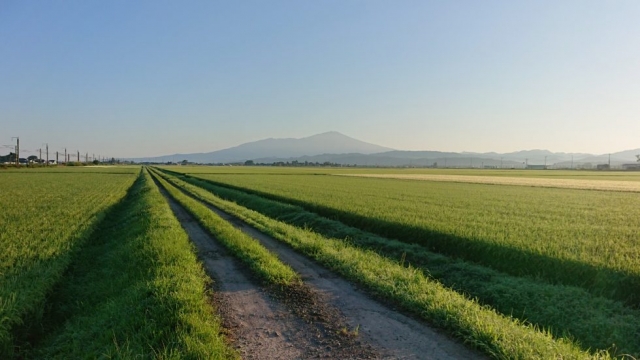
(330, 142)
(332, 132)
(329, 134)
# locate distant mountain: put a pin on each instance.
(336, 148)
(627, 155)
(330, 142)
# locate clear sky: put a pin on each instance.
(147, 78)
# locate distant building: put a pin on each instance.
(634, 166)
(537, 167)
(602, 166)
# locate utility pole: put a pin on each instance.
(40, 155)
(545, 162)
(501, 163)
(17, 150)
(526, 163)
(572, 162)
(78, 159)
(47, 147)
(86, 158)
(66, 159)
(57, 158)
(609, 161)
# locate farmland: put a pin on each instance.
(559, 241)
(493, 173)
(512, 270)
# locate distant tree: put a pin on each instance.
(8, 158)
(638, 156)
(32, 158)
(249, 163)
(184, 162)
(96, 162)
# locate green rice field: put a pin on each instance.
(94, 265)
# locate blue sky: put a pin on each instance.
(147, 78)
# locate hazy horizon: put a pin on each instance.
(148, 79)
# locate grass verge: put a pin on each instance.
(499, 336)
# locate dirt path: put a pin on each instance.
(266, 329)
(263, 327)
(260, 328)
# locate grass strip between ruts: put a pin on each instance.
(497, 335)
(136, 290)
(261, 261)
